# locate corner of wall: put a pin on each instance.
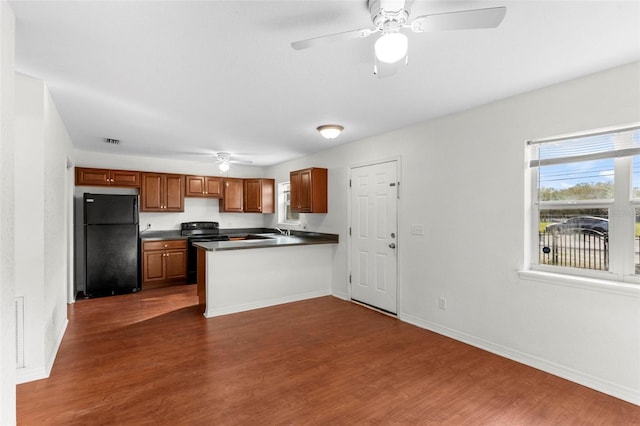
(7, 215)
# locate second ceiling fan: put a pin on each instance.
(391, 18)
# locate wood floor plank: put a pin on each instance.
(152, 358)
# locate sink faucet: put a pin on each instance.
(285, 232)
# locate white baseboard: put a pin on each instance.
(596, 383)
(340, 295)
(24, 375)
(209, 313)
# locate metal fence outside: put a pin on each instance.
(585, 249)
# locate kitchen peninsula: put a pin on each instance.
(263, 270)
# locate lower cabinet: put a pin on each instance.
(164, 263)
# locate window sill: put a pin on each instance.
(285, 223)
(594, 284)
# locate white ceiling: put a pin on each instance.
(179, 78)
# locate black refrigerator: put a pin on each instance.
(111, 244)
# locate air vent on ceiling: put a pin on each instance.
(112, 141)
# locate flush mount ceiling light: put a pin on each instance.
(330, 131)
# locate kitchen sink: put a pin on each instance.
(249, 237)
(257, 237)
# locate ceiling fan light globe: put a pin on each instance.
(391, 47)
(224, 167)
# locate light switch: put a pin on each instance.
(417, 229)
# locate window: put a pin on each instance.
(586, 204)
(285, 215)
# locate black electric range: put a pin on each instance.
(198, 232)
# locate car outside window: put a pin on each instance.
(578, 181)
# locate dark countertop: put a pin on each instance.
(297, 238)
(162, 235)
(274, 238)
(174, 234)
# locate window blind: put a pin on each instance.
(595, 145)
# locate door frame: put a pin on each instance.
(69, 229)
(398, 160)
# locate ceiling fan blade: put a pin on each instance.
(347, 35)
(233, 161)
(460, 20)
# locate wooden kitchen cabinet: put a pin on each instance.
(86, 176)
(232, 195)
(164, 263)
(203, 186)
(308, 190)
(259, 195)
(161, 192)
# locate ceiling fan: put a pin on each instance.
(224, 159)
(391, 17)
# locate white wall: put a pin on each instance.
(194, 208)
(463, 178)
(58, 189)
(30, 213)
(42, 271)
(7, 192)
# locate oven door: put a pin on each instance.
(192, 255)
(192, 261)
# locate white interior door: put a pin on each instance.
(374, 230)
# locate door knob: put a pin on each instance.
(392, 245)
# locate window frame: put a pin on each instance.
(282, 205)
(622, 216)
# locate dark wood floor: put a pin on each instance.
(152, 358)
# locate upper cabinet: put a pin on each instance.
(308, 190)
(232, 195)
(203, 186)
(162, 192)
(259, 196)
(106, 177)
(165, 192)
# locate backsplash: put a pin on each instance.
(201, 209)
(195, 209)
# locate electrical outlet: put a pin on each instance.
(442, 303)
